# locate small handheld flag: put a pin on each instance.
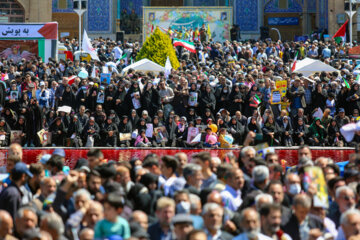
(346, 83)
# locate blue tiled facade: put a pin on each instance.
(99, 16)
(247, 15)
(293, 7)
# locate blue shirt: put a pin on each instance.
(105, 228)
(208, 182)
(231, 198)
(326, 52)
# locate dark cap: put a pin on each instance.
(182, 218)
(21, 167)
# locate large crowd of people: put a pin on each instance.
(214, 99)
(180, 197)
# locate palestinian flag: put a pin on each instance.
(187, 45)
(294, 64)
(340, 35)
(346, 83)
(257, 99)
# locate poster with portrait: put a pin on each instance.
(161, 134)
(193, 98)
(192, 133)
(105, 78)
(149, 130)
(14, 95)
(15, 136)
(100, 97)
(314, 181)
(44, 137)
(18, 49)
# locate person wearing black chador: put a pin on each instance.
(58, 132)
(110, 133)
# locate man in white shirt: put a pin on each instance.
(118, 52)
(231, 195)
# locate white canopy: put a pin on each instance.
(144, 65)
(310, 66)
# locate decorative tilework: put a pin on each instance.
(99, 16)
(69, 8)
(203, 3)
(129, 5)
(272, 7)
(247, 15)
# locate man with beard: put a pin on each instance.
(250, 223)
(270, 222)
(213, 216)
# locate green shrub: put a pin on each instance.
(157, 48)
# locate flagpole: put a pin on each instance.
(80, 9)
(350, 14)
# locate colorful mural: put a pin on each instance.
(219, 19)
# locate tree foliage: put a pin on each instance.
(157, 48)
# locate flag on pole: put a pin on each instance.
(124, 56)
(187, 45)
(167, 67)
(294, 63)
(340, 35)
(87, 47)
(209, 31)
(346, 83)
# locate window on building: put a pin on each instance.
(11, 11)
(62, 4)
